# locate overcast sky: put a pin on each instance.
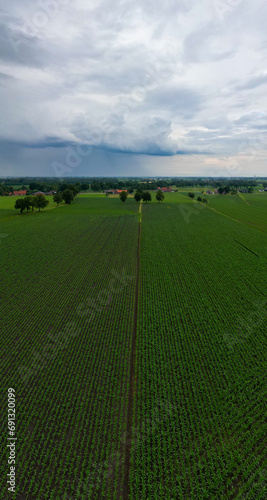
(150, 87)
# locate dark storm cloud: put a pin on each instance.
(144, 78)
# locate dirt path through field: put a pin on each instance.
(133, 379)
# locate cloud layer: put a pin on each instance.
(111, 81)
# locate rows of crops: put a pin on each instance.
(248, 208)
(199, 420)
(197, 386)
(68, 294)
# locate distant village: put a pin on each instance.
(23, 192)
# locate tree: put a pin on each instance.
(205, 200)
(137, 196)
(74, 188)
(130, 190)
(159, 196)
(28, 202)
(221, 190)
(191, 195)
(84, 186)
(40, 201)
(123, 196)
(199, 198)
(250, 190)
(20, 204)
(32, 202)
(63, 186)
(57, 198)
(95, 186)
(68, 196)
(146, 196)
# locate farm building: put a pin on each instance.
(164, 189)
(20, 193)
(38, 192)
(114, 191)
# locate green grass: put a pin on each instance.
(7, 204)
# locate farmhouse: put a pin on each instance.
(38, 192)
(20, 193)
(119, 191)
(165, 189)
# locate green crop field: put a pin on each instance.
(200, 346)
(248, 208)
(134, 337)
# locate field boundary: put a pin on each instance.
(243, 199)
(229, 216)
(132, 382)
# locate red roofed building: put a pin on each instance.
(165, 189)
(118, 191)
(20, 193)
(39, 192)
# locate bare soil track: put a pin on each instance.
(132, 382)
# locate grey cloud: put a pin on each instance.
(153, 77)
(16, 48)
(252, 83)
(206, 43)
(181, 102)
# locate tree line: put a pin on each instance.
(40, 201)
(100, 184)
(144, 195)
(192, 195)
(6, 189)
